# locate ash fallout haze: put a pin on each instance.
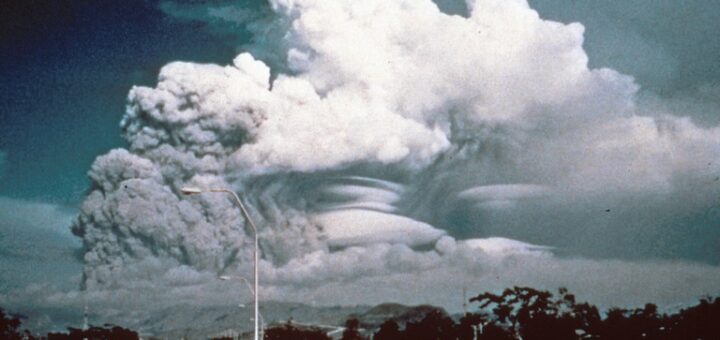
(389, 151)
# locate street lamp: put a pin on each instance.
(228, 278)
(250, 288)
(193, 191)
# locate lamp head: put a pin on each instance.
(190, 190)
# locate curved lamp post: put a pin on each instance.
(250, 288)
(193, 191)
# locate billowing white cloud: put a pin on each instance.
(390, 125)
(652, 40)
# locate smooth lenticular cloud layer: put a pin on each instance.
(349, 227)
(390, 125)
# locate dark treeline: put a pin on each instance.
(10, 327)
(530, 314)
(517, 313)
(108, 332)
(10, 330)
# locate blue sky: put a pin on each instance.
(66, 69)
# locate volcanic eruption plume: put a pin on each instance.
(390, 140)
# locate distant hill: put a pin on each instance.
(193, 322)
(375, 316)
(202, 322)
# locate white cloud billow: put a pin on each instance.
(389, 116)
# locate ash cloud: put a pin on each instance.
(391, 140)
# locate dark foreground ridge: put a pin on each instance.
(516, 313)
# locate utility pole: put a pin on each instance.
(464, 301)
(85, 326)
(256, 291)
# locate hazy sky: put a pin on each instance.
(611, 173)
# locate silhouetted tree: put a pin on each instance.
(352, 330)
(469, 326)
(537, 315)
(109, 332)
(435, 326)
(697, 322)
(587, 319)
(529, 314)
(290, 332)
(481, 326)
(9, 327)
(641, 323)
(495, 332)
(389, 330)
